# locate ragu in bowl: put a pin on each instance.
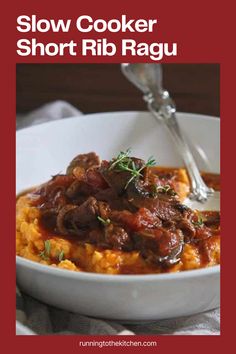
(123, 216)
(107, 282)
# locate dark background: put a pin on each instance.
(102, 87)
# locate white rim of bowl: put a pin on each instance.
(116, 277)
(184, 114)
(25, 331)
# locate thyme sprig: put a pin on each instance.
(122, 157)
(104, 221)
(123, 162)
(199, 222)
(162, 189)
(45, 254)
(61, 256)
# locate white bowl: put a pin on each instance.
(22, 330)
(46, 149)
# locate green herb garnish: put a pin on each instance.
(104, 221)
(61, 256)
(199, 222)
(150, 162)
(162, 189)
(122, 157)
(123, 162)
(46, 252)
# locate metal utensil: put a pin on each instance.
(148, 79)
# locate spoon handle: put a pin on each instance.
(166, 113)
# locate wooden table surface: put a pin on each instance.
(102, 87)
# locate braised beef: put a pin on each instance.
(119, 207)
(91, 183)
(160, 245)
(142, 219)
(96, 236)
(73, 191)
(104, 210)
(115, 201)
(52, 193)
(84, 161)
(64, 220)
(202, 233)
(48, 219)
(118, 179)
(164, 209)
(87, 212)
(116, 237)
(187, 228)
(71, 218)
(137, 192)
(212, 219)
(79, 189)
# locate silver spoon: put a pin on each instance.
(148, 79)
